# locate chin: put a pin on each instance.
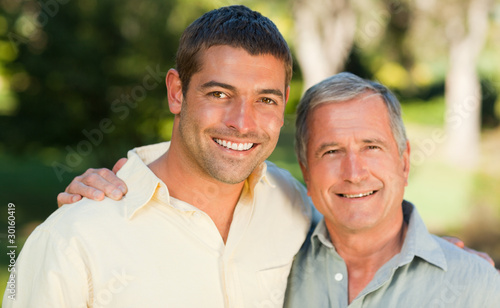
(230, 177)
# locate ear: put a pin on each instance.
(406, 162)
(174, 88)
(287, 94)
(305, 175)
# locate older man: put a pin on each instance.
(372, 249)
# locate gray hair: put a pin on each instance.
(339, 88)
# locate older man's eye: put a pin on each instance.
(331, 152)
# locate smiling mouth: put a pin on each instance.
(357, 195)
(235, 146)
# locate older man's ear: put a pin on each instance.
(305, 175)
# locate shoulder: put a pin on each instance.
(458, 256)
(151, 152)
(85, 213)
(307, 280)
(290, 189)
(465, 266)
(280, 174)
(283, 180)
(75, 229)
(465, 277)
(311, 257)
(305, 256)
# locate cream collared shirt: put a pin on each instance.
(150, 250)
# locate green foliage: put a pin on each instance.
(284, 154)
(29, 184)
(424, 112)
(84, 62)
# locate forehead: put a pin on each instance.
(363, 117)
(237, 62)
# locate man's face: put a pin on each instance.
(232, 112)
(355, 175)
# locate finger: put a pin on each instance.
(111, 177)
(119, 164)
(455, 241)
(77, 186)
(104, 181)
(481, 254)
(65, 198)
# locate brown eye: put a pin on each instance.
(218, 94)
(267, 101)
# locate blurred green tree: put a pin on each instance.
(87, 76)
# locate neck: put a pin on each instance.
(218, 200)
(364, 252)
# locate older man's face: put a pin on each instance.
(355, 174)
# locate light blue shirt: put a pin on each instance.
(428, 272)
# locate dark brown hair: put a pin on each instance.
(236, 26)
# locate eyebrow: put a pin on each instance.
(326, 145)
(272, 91)
(212, 83)
(375, 141)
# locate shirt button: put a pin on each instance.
(339, 276)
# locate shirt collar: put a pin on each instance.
(142, 183)
(418, 241)
(150, 153)
(258, 175)
(321, 237)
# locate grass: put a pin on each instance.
(427, 113)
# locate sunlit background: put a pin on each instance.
(81, 82)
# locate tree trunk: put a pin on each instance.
(324, 37)
(463, 92)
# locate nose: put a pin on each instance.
(241, 116)
(354, 169)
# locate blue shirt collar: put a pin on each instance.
(418, 241)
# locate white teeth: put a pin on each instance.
(234, 146)
(359, 195)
